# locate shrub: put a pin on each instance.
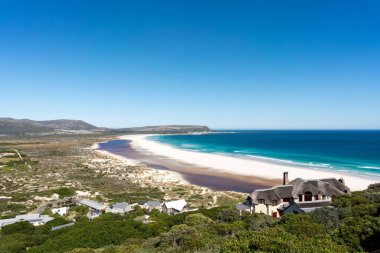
(182, 237)
(22, 227)
(197, 219)
(360, 233)
(64, 192)
(259, 221)
(356, 198)
(329, 217)
(302, 225)
(279, 240)
(229, 215)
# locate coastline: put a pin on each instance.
(188, 173)
(168, 176)
(265, 171)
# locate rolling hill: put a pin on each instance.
(11, 126)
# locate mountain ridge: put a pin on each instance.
(11, 126)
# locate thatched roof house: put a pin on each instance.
(298, 190)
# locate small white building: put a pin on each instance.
(34, 219)
(61, 210)
(175, 206)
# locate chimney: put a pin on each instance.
(285, 180)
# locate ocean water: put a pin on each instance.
(353, 152)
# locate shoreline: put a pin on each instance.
(221, 164)
(170, 176)
(188, 173)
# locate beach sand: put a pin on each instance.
(256, 172)
(186, 173)
(167, 177)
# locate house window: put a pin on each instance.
(286, 200)
(323, 197)
(300, 197)
(308, 196)
(316, 197)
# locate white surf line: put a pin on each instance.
(242, 166)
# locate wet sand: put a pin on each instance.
(196, 175)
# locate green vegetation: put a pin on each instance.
(11, 208)
(64, 192)
(353, 225)
(135, 196)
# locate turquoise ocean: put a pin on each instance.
(354, 152)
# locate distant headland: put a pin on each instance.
(11, 126)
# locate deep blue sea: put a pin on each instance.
(356, 152)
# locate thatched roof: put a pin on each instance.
(337, 184)
(273, 194)
(327, 187)
(301, 186)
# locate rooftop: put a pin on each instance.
(176, 204)
(327, 187)
(26, 217)
(92, 203)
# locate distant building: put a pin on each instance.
(96, 208)
(243, 208)
(61, 210)
(150, 205)
(120, 208)
(306, 194)
(34, 219)
(174, 207)
(93, 204)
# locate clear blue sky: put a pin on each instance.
(225, 64)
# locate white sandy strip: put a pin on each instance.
(169, 176)
(241, 166)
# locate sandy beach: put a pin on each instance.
(264, 170)
(168, 176)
